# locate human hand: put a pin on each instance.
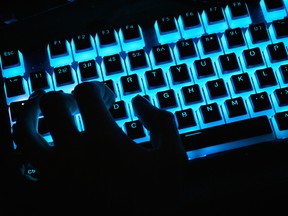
(102, 161)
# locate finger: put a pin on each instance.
(25, 131)
(164, 134)
(94, 100)
(59, 109)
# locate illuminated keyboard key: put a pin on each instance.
(209, 44)
(83, 47)
(15, 108)
(59, 52)
(190, 24)
(130, 84)
(210, 115)
(112, 64)
(192, 94)
(155, 78)
(161, 55)
(279, 30)
(185, 118)
(237, 14)
(257, 35)
(235, 107)
(166, 99)
(12, 63)
(252, 58)
(64, 79)
(214, 20)
(88, 70)
(241, 83)
(185, 50)
(179, 74)
(204, 68)
(110, 84)
(228, 63)
(119, 110)
(134, 129)
(137, 60)
(233, 40)
(260, 104)
(107, 42)
(167, 30)
(273, 10)
(16, 88)
(40, 80)
(131, 37)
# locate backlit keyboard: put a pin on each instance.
(222, 70)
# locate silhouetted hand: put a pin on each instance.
(101, 169)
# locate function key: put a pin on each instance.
(273, 9)
(107, 42)
(83, 47)
(59, 52)
(237, 14)
(12, 63)
(214, 20)
(131, 37)
(190, 24)
(167, 29)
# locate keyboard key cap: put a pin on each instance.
(137, 59)
(39, 80)
(233, 38)
(241, 83)
(192, 94)
(265, 77)
(279, 30)
(59, 52)
(272, 9)
(282, 120)
(190, 24)
(209, 44)
(185, 49)
(229, 63)
(131, 37)
(155, 78)
(237, 14)
(64, 79)
(257, 33)
(277, 52)
(14, 86)
(162, 54)
(185, 118)
(15, 109)
(166, 29)
(83, 47)
(204, 68)
(210, 113)
(260, 101)
(110, 84)
(216, 88)
(119, 110)
(235, 107)
(233, 135)
(167, 99)
(88, 70)
(179, 73)
(12, 63)
(107, 42)
(113, 64)
(134, 129)
(252, 58)
(130, 84)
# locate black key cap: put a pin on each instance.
(186, 48)
(229, 63)
(216, 88)
(234, 37)
(109, 83)
(180, 73)
(214, 14)
(235, 107)
(134, 129)
(106, 36)
(282, 96)
(241, 82)
(131, 31)
(15, 109)
(63, 75)
(167, 24)
(210, 112)
(118, 110)
(210, 43)
(162, 53)
(284, 72)
(88, 70)
(273, 4)
(82, 42)
(113, 64)
(204, 67)
(130, 84)
(266, 77)
(260, 101)
(277, 52)
(258, 32)
(10, 58)
(14, 86)
(185, 118)
(192, 94)
(39, 80)
(232, 132)
(281, 28)
(253, 57)
(58, 47)
(190, 19)
(137, 59)
(155, 78)
(282, 120)
(238, 9)
(167, 99)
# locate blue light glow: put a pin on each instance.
(14, 70)
(65, 59)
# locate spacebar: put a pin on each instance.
(230, 136)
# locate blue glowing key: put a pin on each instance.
(237, 14)
(131, 37)
(167, 30)
(12, 63)
(83, 47)
(273, 9)
(107, 42)
(59, 52)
